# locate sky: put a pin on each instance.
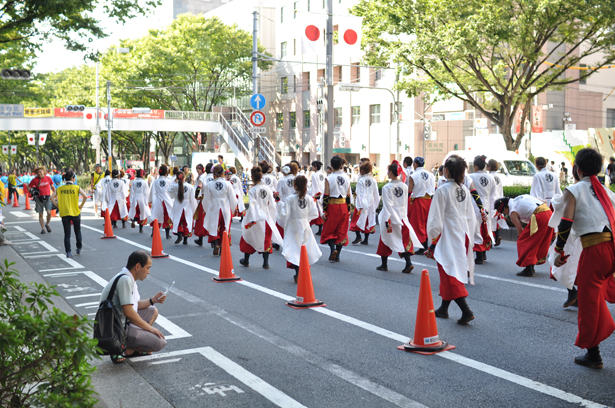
(54, 57)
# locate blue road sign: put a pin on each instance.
(257, 101)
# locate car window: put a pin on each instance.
(519, 168)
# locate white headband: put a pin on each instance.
(285, 169)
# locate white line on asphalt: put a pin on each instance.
(87, 304)
(173, 360)
(29, 234)
(531, 384)
(18, 228)
(70, 261)
(19, 214)
(82, 296)
(56, 219)
(39, 242)
(177, 332)
(53, 275)
(256, 383)
(533, 285)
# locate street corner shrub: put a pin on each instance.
(44, 351)
(515, 191)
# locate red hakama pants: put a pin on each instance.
(484, 233)
(595, 284)
(199, 229)
(418, 217)
(183, 226)
(451, 288)
(249, 249)
(336, 225)
(533, 249)
(137, 217)
(221, 229)
(384, 250)
(167, 222)
(360, 228)
(316, 221)
(280, 229)
(115, 214)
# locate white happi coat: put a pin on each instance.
(262, 211)
(367, 200)
(409, 171)
(484, 183)
(318, 186)
(395, 212)
(218, 195)
(158, 194)
(424, 183)
(296, 214)
(100, 187)
(452, 216)
(478, 238)
(441, 181)
(115, 193)
(567, 273)
(545, 186)
(339, 184)
(139, 194)
(271, 181)
(497, 220)
(286, 188)
(238, 187)
(187, 206)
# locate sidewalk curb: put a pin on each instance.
(116, 385)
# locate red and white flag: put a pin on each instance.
(31, 139)
(349, 34)
(89, 116)
(312, 34)
(42, 137)
(5, 149)
(13, 149)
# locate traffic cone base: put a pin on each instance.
(157, 243)
(15, 203)
(227, 273)
(426, 340)
(27, 203)
(108, 227)
(305, 289)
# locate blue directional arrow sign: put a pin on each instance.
(257, 101)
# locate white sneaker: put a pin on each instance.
(6, 242)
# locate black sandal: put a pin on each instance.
(118, 359)
(137, 354)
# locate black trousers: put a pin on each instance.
(13, 192)
(77, 227)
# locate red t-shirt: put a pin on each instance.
(43, 184)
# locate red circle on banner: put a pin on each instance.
(312, 33)
(31, 139)
(351, 37)
(89, 116)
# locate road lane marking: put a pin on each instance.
(172, 360)
(87, 304)
(82, 296)
(256, 383)
(176, 331)
(29, 234)
(44, 244)
(19, 214)
(73, 264)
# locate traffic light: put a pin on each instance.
(75, 108)
(427, 131)
(15, 73)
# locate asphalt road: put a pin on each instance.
(239, 345)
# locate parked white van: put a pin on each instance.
(514, 169)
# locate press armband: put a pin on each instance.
(563, 231)
(325, 202)
(348, 204)
(477, 199)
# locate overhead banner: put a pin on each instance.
(11, 110)
(63, 113)
(38, 112)
(128, 113)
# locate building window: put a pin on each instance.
(356, 115)
(374, 114)
(293, 120)
(355, 73)
(306, 119)
(378, 74)
(305, 81)
(284, 86)
(309, 8)
(295, 9)
(281, 14)
(295, 84)
(279, 121)
(610, 118)
(338, 117)
(283, 50)
(583, 72)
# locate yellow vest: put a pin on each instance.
(68, 200)
(97, 177)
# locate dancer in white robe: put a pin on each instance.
(100, 189)
(316, 190)
(221, 201)
(139, 194)
(485, 188)
(450, 227)
(498, 221)
(296, 211)
(162, 204)
(115, 200)
(396, 232)
(240, 211)
(258, 225)
(285, 189)
(199, 215)
(366, 202)
(269, 178)
(184, 206)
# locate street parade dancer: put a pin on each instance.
(240, 211)
(451, 228)
(139, 193)
(95, 179)
(565, 274)
(115, 200)
(421, 187)
(485, 187)
(441, 178)
(162, 204)
(534, 240)
(545, 184)
(100, 189)
(184, 206)
(268, 177)
(367, 199)
(336, 207)
(396, 233)
(296, 211)
(258, 225)
(589, 213)
(498, 222)
(316, 190)
(285, 189)
(199, 216)
(221, 201)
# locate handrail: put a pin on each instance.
(233, 136)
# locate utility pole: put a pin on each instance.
(37, 148)
(329, 109)
(109, 124)
(97, 133)
(397, 118)
(9, 152)
(254, 52)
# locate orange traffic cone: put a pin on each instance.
(157, 243)
(227, 273)
(305, 290)
(15, 202)
(426, 340)
(27, 203)
(108, 227)
(9, 201)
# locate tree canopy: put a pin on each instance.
(495, 55)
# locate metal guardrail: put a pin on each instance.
(233, 136)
